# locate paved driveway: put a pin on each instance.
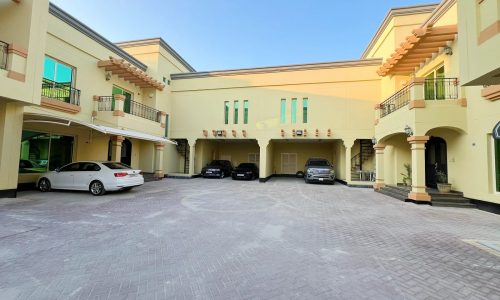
(222, 239)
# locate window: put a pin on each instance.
(434, 88)
(245, 112)
(116, 165)
(71, 167)
(128, 97)
(497, 163)
(236, 110)
(226, 112)
(283, 111)
(166, 125)
(57, 72)
(89, 167)
(305, 105)
(294, 110)
(43, 151)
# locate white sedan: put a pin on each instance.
(96, 177)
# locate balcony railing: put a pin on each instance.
(4, 47)
(60, 91)
(400, 99)
(441, 88)
(143, 111)
(107, 103)
(428, 89)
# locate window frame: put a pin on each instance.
(305, 110)
(236, 111)
(293, 111)
(226, 112)
(58, 61)
(496, 164)
(245, 111)
(283, 111)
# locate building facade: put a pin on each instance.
(422, 98)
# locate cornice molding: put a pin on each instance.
(76, 24)
(284, 68)
(395, 12)
(162, 43)
(440, 10)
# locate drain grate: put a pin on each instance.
(492, 247)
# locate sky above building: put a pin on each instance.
(222, 34)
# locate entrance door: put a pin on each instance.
(126, 156)
(288, 163)
(435, 160)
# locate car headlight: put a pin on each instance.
(310, 171)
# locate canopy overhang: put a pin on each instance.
(130, 73)
(40, 118)
(418, 47)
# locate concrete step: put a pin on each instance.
(452, 204)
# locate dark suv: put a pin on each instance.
(319, 170)
(217, 168)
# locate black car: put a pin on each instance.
(218, 169)
(246, 171)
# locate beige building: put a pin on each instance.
(421, 97)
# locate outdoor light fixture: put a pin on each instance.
(448, 51)
(408, 130)
(374, 140)
(108, 76)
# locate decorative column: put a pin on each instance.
(418, 189)
(163, 120)
(379, 166)
(159, 160)
(119, 105)
(348, 156)
(263, 171)
(417, 97)
(192, 150)
(116, 147)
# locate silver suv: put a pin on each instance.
(319, 170)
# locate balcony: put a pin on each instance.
(109, 103)
(4, 48)
(60, 96)
(420, 89)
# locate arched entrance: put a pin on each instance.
(435, 160)
(126, 153)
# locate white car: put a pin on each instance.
(96, 177)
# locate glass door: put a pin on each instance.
(434, 87)
(128, 98)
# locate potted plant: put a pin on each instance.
(407, 176)
(442, 182)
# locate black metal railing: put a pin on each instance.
(4, 48)
(441, 88)
(400, 99)
(143, 111)
(61, 91)
(106, 103)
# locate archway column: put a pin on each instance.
(348, 155)
(379, 166)
(418, 187)
(192, 150)
(116, 147)
(263, 151)
(159, 160)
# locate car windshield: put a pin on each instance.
(116, 165)
(216, 163)
(319, 163)
(245, 165)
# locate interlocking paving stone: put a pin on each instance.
(224, 239)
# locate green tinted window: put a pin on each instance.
(245, 112)
(283, 111)
(294, 110)
(497, 164)
(57, 71)
(305, 106)
(42, 151)
(236, 111)
(226, 112)
(128, 97)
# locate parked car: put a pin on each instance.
(96, 177)
(217, 168)
(246, 171)
(319, 170)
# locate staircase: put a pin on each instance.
(452, 199)
(366, 152)
(183, 149)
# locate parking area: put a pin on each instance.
(222, 239)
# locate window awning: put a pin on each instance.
(39, 118)
(130, 73)
(418, 47)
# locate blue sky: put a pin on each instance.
(225, 34)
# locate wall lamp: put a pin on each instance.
(374, 140)
(108, 76)
(408, 131)
(447, 50)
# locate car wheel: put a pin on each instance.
(96, 188)
(44, 185)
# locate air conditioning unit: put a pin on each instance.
(299, 132)
(220, 133)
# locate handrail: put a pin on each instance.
(399, 99)
(105, 103)
(143, 111)
(4, 48)
(61, 91)
(441, 88)
(356, 160)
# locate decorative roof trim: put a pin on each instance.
(125, 70)
(155, 41)
(285, 68)
(442, 8)
(395, 12)
(76, 24)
